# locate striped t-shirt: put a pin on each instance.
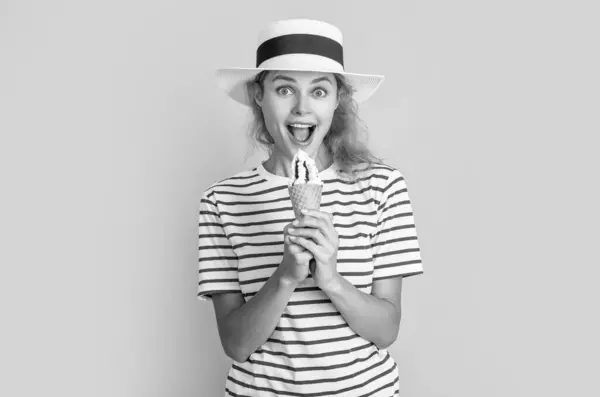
(312, 351)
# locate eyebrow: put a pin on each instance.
(315, 81)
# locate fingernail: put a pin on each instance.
(290, 230)
(303, 210)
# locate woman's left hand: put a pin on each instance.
(315, 232)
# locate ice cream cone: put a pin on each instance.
(305, 195)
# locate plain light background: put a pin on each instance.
(112, 127)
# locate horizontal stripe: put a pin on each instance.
(353, 213)
(251, 194)
(260, 255)
(215, 247)
(399, 252)
(232, 394)
(261, 212)
(379, 267)
(220, 291)
(393, 229)
(358, 180)
(310, 329)
(312, 342)
(311, 368)
(217, 258)
(309, 302)
(298, 289)
(209, 213)
(393, 183)
(269, 244)
(257, 234)
(243, 177)
(398, 204)
(211, 236)
(205, 201)
(358, 286)
(394, 240)
(255, 203)
(351, 260)
(355, 248)
(395, 216)
(356, 274)
(254, 280)
(218, 280)
(351, 225)
(353, 236)
(207, 224)
(313, 381)
(317, 355)
(387, 385)
(397, 275)
(353, 193)
(258, 267)
(311, 315)
(249, 224)
(225, 185)
(325, 393)
(218, 269)
(347, 203)
(391, 196)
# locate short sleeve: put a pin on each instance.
(217, 262)
(395, 246)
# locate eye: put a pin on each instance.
(284, 91)
(320, 93)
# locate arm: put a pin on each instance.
(244, 327)
(374, 317)
(396, 255)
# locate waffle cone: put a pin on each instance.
(307, 195)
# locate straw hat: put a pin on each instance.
(297, 45)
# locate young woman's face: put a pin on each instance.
(298, 108)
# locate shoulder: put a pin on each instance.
(377, 174)
(233, 183)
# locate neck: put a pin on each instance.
(280, 164)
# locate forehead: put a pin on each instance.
(300, 76)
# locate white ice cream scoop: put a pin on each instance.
(304, 170)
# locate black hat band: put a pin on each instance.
(300, 44)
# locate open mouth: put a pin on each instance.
(301, 132)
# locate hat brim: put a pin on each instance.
(233, 82)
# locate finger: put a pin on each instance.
(315, 234)
(308, 244)
(325, 216)
(294, 248)
(318, 220)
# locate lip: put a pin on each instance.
(299, 143)
(300, 122)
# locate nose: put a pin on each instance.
(301, 105)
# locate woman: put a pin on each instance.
(291, 331)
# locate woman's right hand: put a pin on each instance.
(294, 267)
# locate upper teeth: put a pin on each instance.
(301, 125)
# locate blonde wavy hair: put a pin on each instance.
(344, 138)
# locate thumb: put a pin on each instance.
(293, 248)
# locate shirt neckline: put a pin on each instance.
(324, 174)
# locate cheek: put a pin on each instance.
(272, 122)
(275, 112)
(326, 114)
